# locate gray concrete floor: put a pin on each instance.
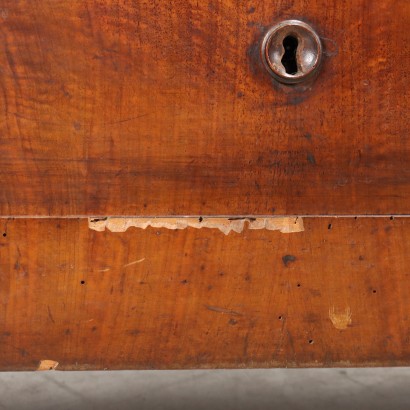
(329, 389)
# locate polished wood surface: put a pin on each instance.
(163, 108)
(127, 107)
(333, 295)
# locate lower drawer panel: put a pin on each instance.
(334, 294)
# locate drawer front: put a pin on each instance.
(77, 299)
(165, 108)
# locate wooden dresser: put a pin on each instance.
(166, 202)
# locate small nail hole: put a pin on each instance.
(311, 342)
(329, 226)
(4, 234)
(83, 282)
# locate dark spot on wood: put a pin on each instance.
(361, 258)
(311, 318)
(374, 230)
(311, 158)
(308, 136)
(23, 352)
(287, 259)
(251, 10)
(67, 332)
(184, 282)
(94, 328)
(233, 322)
(240, 94)
(256, 24)
(255, 63)
(296, 99)
(242, 219)
(98, 220)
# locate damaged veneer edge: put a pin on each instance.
(225, 225)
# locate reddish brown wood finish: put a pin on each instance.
(112, 107)
(197, 298)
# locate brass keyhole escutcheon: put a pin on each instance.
(292, 52)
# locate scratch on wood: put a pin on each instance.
(222, 310)
(225, 225)
(47, 365)
(50, 315)
(134, 263)
(341, 320)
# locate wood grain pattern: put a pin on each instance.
(333, 295)
(120, 107)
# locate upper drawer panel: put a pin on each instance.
(113, 107)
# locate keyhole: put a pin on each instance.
(289, 61)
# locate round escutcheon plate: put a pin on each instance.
(292, 52)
